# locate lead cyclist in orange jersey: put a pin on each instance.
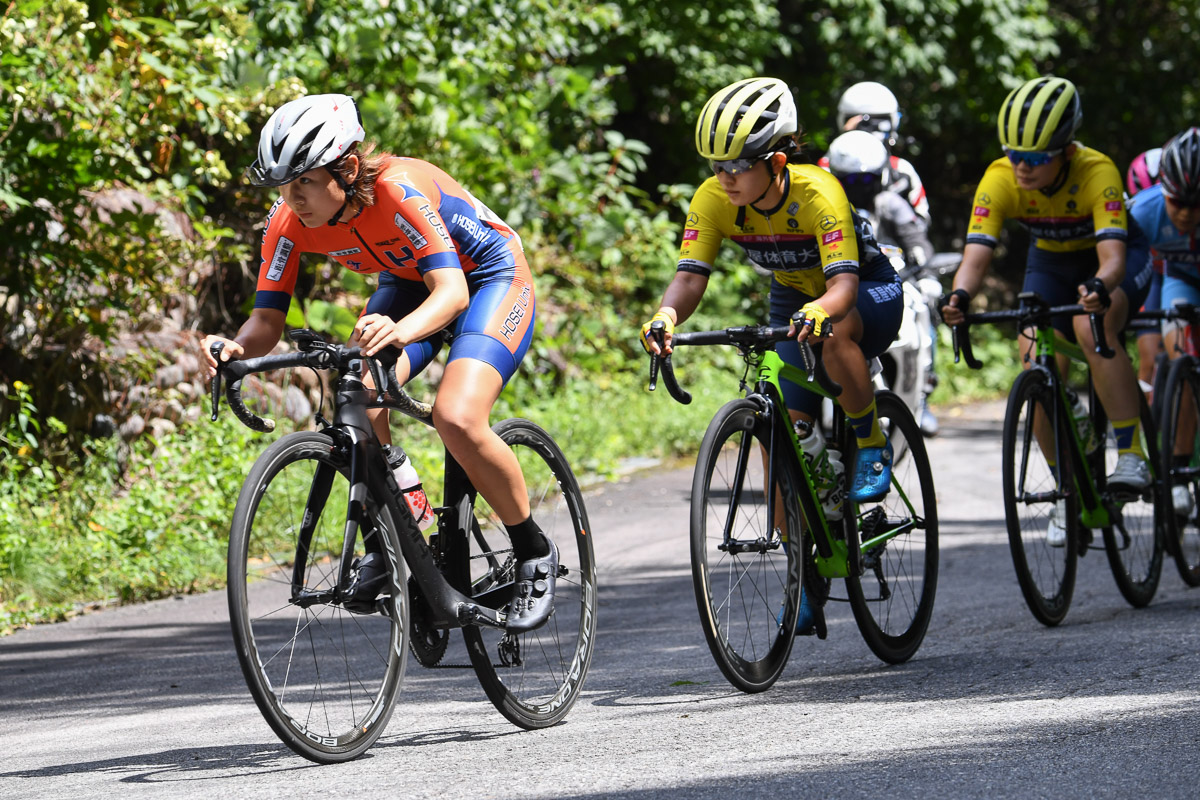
(445, 263)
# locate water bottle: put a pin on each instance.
(827, 468)
(410, 485)
(1083, 423)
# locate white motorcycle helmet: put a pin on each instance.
(859, 152)
(876, 104)
(304, 134)
(861, 162)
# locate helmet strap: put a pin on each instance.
(1060, 179)
(349, 190)
(770, 183)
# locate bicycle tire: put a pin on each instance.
(893, 598)
(740, 594)
(1135, 554)
(535, 678)
(1181, 533)
(325, 679)
(1045, 573)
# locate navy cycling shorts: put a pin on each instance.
(881, 305)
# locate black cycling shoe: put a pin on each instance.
(533, 592)
(371, 575)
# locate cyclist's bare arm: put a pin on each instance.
(680, 300)
(1111, 255)
(449, 296)
(257, 337)
(969, 277)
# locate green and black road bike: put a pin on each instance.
(324, 666)
(759, 531)
(1055, 468)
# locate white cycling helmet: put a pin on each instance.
(305, 134)
(859, 152)
(873, 100)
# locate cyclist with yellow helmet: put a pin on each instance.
(794, 221)
(1084, 248)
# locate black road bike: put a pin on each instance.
(325, 667)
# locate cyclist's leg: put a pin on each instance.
(1150, 341)
(1179, 338)
(490, 339)
(1114, 378)
(1054, 277)
(872, 326)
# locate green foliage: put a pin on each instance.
(93, 531)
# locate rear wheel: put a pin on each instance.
(534, 678)
(1036, 501)
(1133, 543)
(893, 598)
(745, 573)
(325, 678)
(1180, 466)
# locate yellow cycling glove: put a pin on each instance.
(662, 316)
(817, 316)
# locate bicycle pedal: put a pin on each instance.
(822, 630)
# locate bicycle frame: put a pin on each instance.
(370, 476)
(1047, 345)
(834, 557)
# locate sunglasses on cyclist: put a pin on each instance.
(737, 166)
(1034, 158)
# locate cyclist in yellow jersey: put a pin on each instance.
(1084, 248)
(795, 221)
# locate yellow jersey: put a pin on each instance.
(811, 235)
(1088, 206)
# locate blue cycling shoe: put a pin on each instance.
(806, 622)
(872, 473)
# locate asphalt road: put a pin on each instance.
(148, 701)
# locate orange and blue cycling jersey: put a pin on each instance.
(1087, 208)
(422, 220)
(810, 236)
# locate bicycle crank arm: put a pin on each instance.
(474, 614)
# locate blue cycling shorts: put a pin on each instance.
(496, 328)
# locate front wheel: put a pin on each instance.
(745, 573)
(325, 678)
(534, 678)
(1180, 466)
(892, 599)
(1040, 508)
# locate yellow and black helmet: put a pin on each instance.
(1041, 114)
(745, 119)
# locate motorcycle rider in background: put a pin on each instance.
(871, 107)
(863, 165)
